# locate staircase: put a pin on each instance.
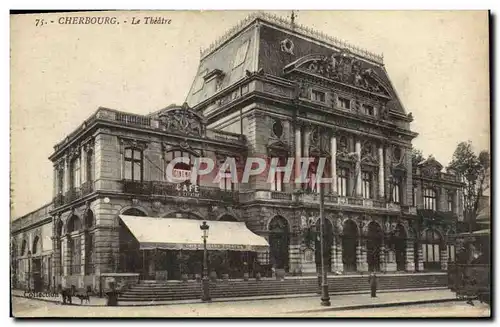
(149, 291)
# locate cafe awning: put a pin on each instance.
(185, 234)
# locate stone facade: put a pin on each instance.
(319, 100)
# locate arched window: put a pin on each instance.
(134, 212)
(431, 247)
(24, 248)
(35, 247)
(74, 224)
(89, 219)
(133, 164)
(430, 199)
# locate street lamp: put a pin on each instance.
(325, 297)
(205, 297)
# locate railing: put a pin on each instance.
(110, 115)
(131, 119)
(181, 190)
(436, 214)
(355, 201)
(281, 195)
(72, 195)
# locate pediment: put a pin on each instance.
(430, 167)
(341, 67)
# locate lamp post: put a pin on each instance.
(325, 297)
(205, 296)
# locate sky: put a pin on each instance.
(60, 74)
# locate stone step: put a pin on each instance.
(224, 289)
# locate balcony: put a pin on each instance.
(73, 194)
(429, 214)
(155, 188)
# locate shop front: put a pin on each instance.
(172, 248)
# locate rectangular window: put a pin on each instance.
(226, 182)
(396, 190)
(133, 164)
(60, 181)
(451, 253)
(344, 103)
(318, 96)
(342, 175)
(75, 173)
(430, 199)
(366, 186)
(368, 110)
(414, 196)
(90, 166)
(451, 202)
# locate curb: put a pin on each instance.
(254, 298)
(376, 305)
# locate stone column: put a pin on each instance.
(443, 257)
(361, 256)
(381, 177)
(66, 260)
(294, 261)
(340, 263)
(83, 252)
(382, 258)
(420, 258)
(333, 151)
(298, 153)
(410, 259)
(358, 168)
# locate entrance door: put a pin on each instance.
(37, 274)
(400, 247)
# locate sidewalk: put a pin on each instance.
(56, 298)
(290, 304)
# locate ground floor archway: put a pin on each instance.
(328, 243)
(349, 245)
(279, 241)
(374, 240)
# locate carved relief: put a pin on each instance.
(345, 68)
(181, 120)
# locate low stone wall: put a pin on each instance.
(123, 281)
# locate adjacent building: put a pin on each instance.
(269, 88)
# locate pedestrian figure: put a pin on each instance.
(373, 283)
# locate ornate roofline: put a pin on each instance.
(285, 23)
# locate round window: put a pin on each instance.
(277, 128)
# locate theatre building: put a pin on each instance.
(269, 88)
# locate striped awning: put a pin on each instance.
(185, 234)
